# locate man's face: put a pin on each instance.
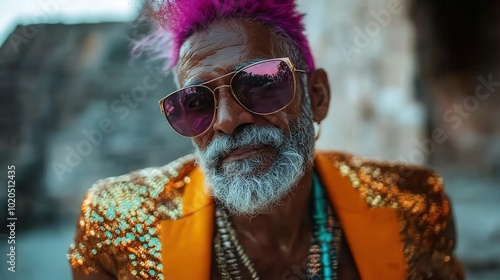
(250, 161)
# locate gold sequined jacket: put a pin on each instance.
(157, 223)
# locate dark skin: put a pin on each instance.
(276, 242)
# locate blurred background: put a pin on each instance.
(412, 81)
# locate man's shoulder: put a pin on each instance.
(386, 183)
(423, 211)
(149, 188)
(121, 215)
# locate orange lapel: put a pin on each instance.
(187, 242)
(372, 233)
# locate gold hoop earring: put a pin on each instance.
(317, 130)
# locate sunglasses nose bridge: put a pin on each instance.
(223, 86)
(215, 96)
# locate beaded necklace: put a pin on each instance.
(323, 251)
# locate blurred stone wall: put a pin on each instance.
(404, 77)
(366, 47)
(458, 53)
(75, 109)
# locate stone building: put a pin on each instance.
(76, 108)
(404, 76)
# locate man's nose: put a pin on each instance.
(230, 114)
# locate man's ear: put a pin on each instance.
(319, 92)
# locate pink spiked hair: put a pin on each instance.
(178, 19)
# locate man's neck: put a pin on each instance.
(285, 227)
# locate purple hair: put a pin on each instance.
(178, 19)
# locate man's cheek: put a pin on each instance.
(202, 142)
(197, 145)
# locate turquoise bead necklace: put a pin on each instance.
(323, 251)
(326, 238)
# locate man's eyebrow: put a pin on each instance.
(197, 81)
(194, 82)
(246, 63)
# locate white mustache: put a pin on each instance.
(249, 136)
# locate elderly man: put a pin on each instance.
(256, 201)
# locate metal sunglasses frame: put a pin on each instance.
(288, 62)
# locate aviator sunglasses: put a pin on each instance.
(262, 88)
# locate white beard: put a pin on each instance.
(244, 186)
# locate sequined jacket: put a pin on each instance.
(157, 223)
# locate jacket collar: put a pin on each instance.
(187, 242)
(372, 233)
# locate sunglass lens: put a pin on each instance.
(264, 88)
(190, 111)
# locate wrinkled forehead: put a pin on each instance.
(222, 47)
